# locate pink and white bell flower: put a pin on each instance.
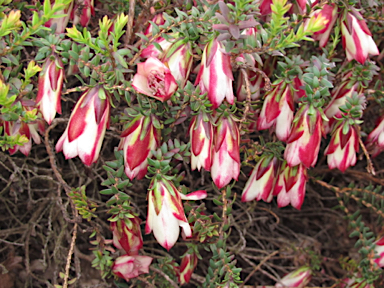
(82, 12)
(187, 266)
(303, 144)
(158, 19)
(339, 97)
(29, 130)
(256, 83)
(375, 140)
(356, 38)
(127, 235)
(60, 23)
(51, 80)
(226, 155)
(166, 212)
(215, 74)
(138, 140)
(355, 282)
(277, 111)
(178, 58)
(298, 278)
(262, 180)
(379, 252)
(329, 12)
(128, 267)
(201, 138)
(86, 127)
(342, 149)
(290, 185)
(154, 79)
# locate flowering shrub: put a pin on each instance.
(270, 97)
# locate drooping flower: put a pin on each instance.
(277, 111)
(128, 267)
(356, 38)
(339, 97)
(86, 127)
(187, 266)
(154, 79)
(341, 151)
(303, 143)
(82, 12)
(255, 80)
(48, 97)
(262, 180)
(329, 12)
(375, 140)
(138, 140)
(201, 137)
(215, 75)
(178, 58)
(355, 281)
(29, 130)
(127, 235)
(379, 250)
(166, 212)
(298, 278)
(226, 155)
(290, 185)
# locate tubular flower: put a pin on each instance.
(299, 278)
(355, 282)
(341, 151)
(339, 98)
(379, 250)
(201, 137)
(154, 79)
(179, 58)
(151, 50)
(375, 141)
(356, 38)
(226, 155)
(82, 12)
(29, 130)
(290, 185)
(128, 267)
(86, 127)
(215, 75)
(48, 97)
(303, 143)
(188, 264)
(138, 140)
(329, 12)
(60, 23)
(256, 83)
(277, 111)
(262, 180)
(127, 235)
(166, 212)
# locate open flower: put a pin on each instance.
(138, 140)
(127, 235)
(48, 97)
(201, 137)
(215, 75)
(86, 127)
(128, 267)
(356, 38)
(226, 155)
(154, 79)
(166, 212)
(341, 151)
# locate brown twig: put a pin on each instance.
(170, 281)
(258, 267)
(69, 257)
(370, 167)
(131, 16)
